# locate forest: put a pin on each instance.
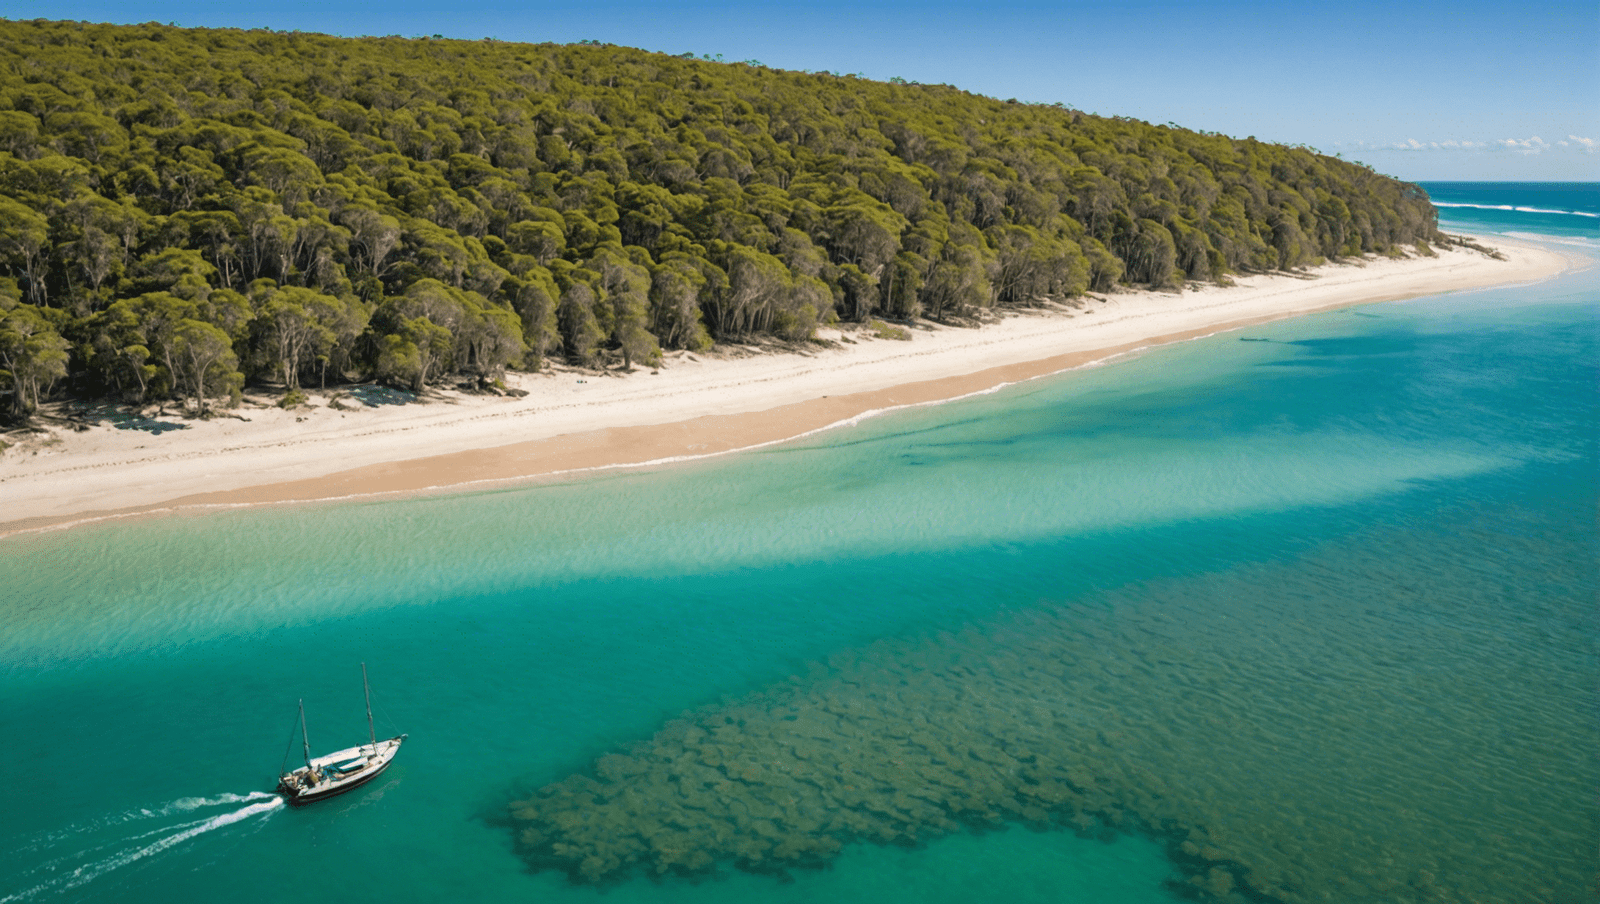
(185, 212)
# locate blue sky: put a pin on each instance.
(1421, 90)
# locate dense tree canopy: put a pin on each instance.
(182, 211)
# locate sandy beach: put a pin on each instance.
(693, 405)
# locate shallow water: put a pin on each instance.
(1321, 607)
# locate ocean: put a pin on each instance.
(1309, 617)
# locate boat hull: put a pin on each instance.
(317, 779)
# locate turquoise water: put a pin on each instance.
(1313, 615)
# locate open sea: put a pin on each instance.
(1305, 618)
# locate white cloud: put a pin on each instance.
(1534, 145)
(1530, 145)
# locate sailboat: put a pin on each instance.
(324, 776)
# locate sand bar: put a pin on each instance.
(694, 405)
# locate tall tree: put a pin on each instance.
(32, 357)
(150, 175)
(206, 364)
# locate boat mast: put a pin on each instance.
(303, 738)
(372, 735)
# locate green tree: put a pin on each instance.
(32, 357)
(675, 308)
(756, 283)
(206, 364)
(25, 242)
(581, 334)
(626, 285)
(150, 175)
(298, 326)
(413, 355)
(133, 342)
(534, 296)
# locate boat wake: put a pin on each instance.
(78, 855)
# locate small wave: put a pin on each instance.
(262, 803)
(1517, 208)
(1575, 240)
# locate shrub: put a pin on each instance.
(885, 331)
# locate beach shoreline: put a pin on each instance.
(694, 406)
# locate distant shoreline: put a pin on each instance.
(695, 406)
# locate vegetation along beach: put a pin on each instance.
(760, 482)
(173, 245)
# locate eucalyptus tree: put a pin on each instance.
(581, 200)
(32, 356)
(205, 364)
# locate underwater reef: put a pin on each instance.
(1312, 746)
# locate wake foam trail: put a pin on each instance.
(179, 806)
(130, 852)
(187, 804)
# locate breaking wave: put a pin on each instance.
(1518, 208)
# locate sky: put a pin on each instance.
(1423, 90)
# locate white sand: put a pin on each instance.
(63, 475)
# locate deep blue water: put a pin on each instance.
(1320, 608)
(1566, 210)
